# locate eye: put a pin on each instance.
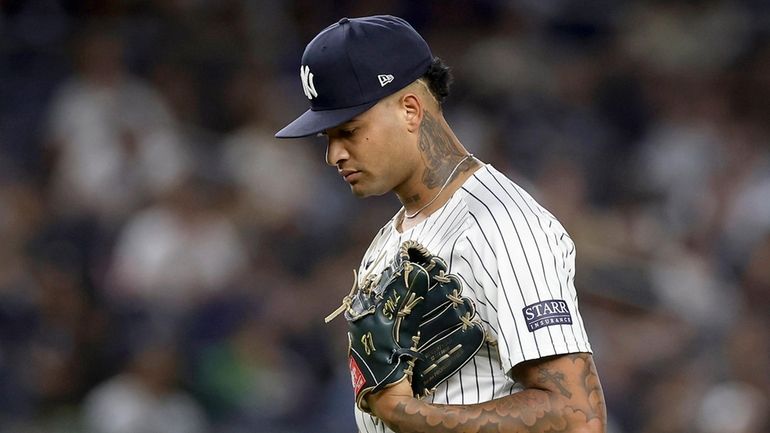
(347, 132)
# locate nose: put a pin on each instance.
(335, 152)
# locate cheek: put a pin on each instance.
(383, 150)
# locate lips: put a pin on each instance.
(348, 174)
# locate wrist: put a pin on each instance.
(383, 402)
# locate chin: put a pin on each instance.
(361, 192)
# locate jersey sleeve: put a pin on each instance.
(527, 263)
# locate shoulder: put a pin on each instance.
(493, 198)
(502, 210)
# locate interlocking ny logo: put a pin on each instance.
(307, 82)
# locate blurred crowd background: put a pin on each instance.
(165, 263)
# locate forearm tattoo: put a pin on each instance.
(440, 153)
(555, 402)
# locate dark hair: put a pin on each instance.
(439, 78)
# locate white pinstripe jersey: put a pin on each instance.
(516, 262)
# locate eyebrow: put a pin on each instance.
(353, 120)
(341, 125)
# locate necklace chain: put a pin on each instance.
(446, 182)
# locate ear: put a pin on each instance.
(413, 111)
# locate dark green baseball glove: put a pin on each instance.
(409, 322)
(383, 327)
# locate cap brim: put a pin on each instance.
(312, 122)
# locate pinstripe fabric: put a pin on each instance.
(510, 253)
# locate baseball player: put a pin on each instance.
(376, 93)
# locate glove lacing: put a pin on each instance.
(347, 301)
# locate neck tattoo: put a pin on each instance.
(446, 182)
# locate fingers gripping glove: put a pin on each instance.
(451, 333)
(383, 327)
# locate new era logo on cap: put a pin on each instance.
(384, 79)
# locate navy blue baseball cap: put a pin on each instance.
(352, 64)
